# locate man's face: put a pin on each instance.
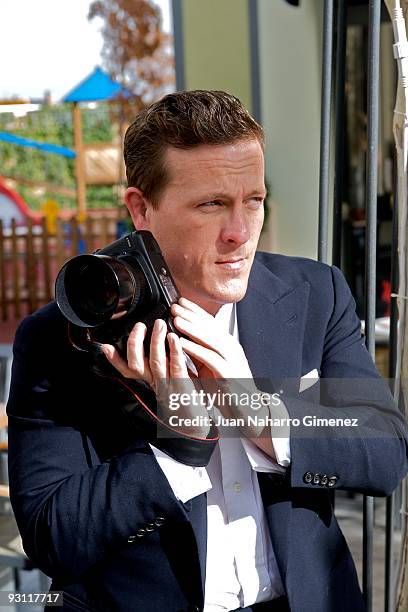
(209, 218)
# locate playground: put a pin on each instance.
(35, 241)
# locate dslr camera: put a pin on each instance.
(104, 294)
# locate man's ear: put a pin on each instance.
(138, 207)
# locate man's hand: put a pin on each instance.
(214, 348)
(219, 355)
(165, 376)
(216, 353)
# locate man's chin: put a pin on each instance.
(233, 292)
(211, 298)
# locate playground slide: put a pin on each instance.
(12, 206)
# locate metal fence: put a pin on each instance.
(31, 256)
(334, 48)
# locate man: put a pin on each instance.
(126, 523)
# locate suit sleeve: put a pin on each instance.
(369, 454)
(73, 509)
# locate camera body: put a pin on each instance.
(104, 294)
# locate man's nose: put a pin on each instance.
(235, 230)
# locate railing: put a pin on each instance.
(31, 256)
(335, 28)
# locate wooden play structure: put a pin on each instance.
(31, 256)
(34, 245)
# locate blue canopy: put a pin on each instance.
(96, 86)
(43, 146)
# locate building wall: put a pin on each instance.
(290, 71)
(216, 46)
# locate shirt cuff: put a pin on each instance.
(281, 447)
(280, 435)
(186, 481)
(260, 461)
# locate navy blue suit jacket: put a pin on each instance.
(96, 512)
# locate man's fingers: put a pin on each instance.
(202, 334)
(188, 315)
(158, 359)
(116, 360)
(135, 350)
(194, 308)
(206, 356)
(178, 368)
(191, 312)
(195, 322)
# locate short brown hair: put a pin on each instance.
(183, 120)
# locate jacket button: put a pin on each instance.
(316, 479)
(150, 527)
(140, 533)
(308, 477)
(332, 481)
(159, 520)
(324, 479)
(131, 539)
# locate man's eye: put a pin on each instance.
(255, 202)
(212, 204)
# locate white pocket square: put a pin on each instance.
(308, 380)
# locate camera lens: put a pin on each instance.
(92, 289)
(97, 283)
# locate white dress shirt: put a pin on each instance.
(241, 566)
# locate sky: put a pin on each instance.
(49, 45)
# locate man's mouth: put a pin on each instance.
(233, 263)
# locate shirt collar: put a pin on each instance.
(228, 318)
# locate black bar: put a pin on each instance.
(178, 45)
(371, 181)
(325, 129)
(394, 280)
(374, 22)
(389, 605)
(389, 595)
(254, 57)
(368, 525)
(341, 29)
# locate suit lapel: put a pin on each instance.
(271, 321)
